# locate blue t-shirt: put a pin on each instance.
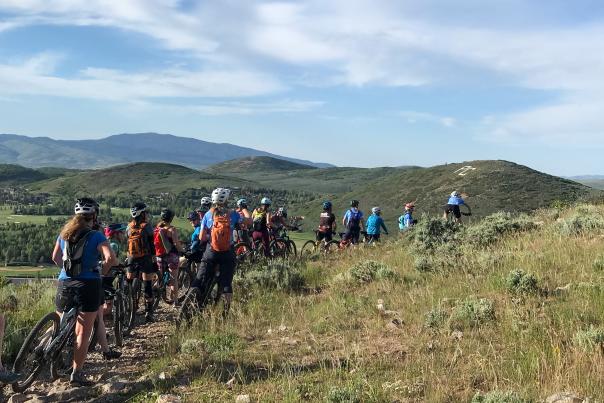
(208, 221)
(375, 223)
(195, 243)
(405, 221)
(90, 258)
(455, 201)
(353, 216)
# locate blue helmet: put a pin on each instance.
(192, 216)
(327, 205)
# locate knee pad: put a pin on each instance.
(227, 290)
(148, 289)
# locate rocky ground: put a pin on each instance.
(116, 380)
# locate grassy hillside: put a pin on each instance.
(252, 165)
(492, 186)
(514, 319)
(11, 174)
(594, 183)
(141, 178)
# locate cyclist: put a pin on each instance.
(140, 253)
(115, 235)
(167, 245)
(375, 224)
(197, 247)
(246, 218)
(261, 223)
(206, 204)
(406, 221)
(78, 250)
(453, 207)
(218, 224)
(278, 221)
(353, 222)
(327, 224)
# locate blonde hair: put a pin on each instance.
(77, 223)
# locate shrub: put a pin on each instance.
(370, 270)
(435, 318)
(493, 227)
(472, 313)
(423, 264)
(598, 263)
(345, 394)
(220, 345)
(589, 339)
(192, 346)
(432, 232)
(519, 282)
(584, 220)
(498, 397)
(272, 276)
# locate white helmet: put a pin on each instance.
(138, 209)
(376, 210)
(282, 211)
(266, 201)
(206, 201)
(455, 194)
(221, 195)
(86, 206)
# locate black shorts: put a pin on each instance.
(453, 208)
(327, 236)
(352, 235)
(141, 265)
(226, 262)
(108, 291)
(80, 294)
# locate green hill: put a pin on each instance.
(491, 186)
(140, 178)
(11, 174)
(251, 165)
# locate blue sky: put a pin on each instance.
(365, 83)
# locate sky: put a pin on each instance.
(349, 82)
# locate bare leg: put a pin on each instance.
(101, 331)
(83, 330)
(174, 283)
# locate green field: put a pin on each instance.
(7, 217)
(29, 271)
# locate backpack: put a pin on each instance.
(354, 221)
(221, 232)
(160, 241)
(137, 242)
(74, 253)
(259, 218)
(401, 222)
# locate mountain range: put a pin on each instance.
(35, 152)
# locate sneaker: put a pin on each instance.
(79, 380)
(8, 377)
(111, 355)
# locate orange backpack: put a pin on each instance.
(221, 232)
(137, 244)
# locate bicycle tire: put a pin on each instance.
(127, 304)
(94, 336)
(293, 249)
(332, 246)
(118, 321)
(279, 249)
(243, 252)
(31, 345)
(185, 279)
(308, 249)
(134, 291)
(188, 309)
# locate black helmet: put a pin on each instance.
(166, 215)
(354, 203)
(138, 209)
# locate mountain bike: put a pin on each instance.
(314, 247)
(197, 299)
(48, 345)
(281, 246)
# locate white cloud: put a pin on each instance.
(413, 117)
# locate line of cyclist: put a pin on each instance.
(86, 252)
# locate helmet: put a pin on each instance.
(455, 194)
(266, 201)
(166, 215)
(206, 201)
(282, 211)
(242, 203)
(192, 216)
(354, 203)
(138, 209)
(220, 195)
(327, 205)
(376, 210)
(409, 206)
(86, 205)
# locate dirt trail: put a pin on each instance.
(116, 380)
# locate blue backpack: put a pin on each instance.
(354, 221)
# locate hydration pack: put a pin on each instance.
(259, 218)
(354, 220)
(74, 253)
(221, 232)
(161, 241)
(137, 244)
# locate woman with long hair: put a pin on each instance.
(167, 246)
(78, 250)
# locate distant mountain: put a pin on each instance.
(257, 164)
(37, 152)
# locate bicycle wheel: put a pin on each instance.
(293, 249)
(279, 249)
(94, 336)
(331, 247)
(30, 360)
(308, 249)
(135, 295)
(61, 366)
(124, 289)
(118, 320)
(189, 308)
(243, 252)
(185, 279)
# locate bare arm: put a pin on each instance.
(57, 255)
(175, 239)
(109, 257)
